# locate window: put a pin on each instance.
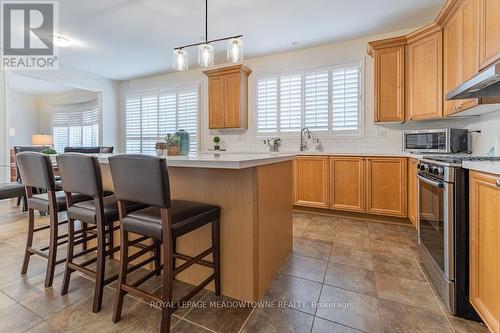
(75, 125)
(149, 117)
(326, 101)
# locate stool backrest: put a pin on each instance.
(20, 149)
(36, 170)
(141, 178)
(80, 173)
(89, 150)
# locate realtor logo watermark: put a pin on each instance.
(28, 29)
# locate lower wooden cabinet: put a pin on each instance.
(386, 186)
(485, 247)
(412, 191)
(347, 183)
(311, 181)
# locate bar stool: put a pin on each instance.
(37, 173)
(81, 174)
(144, 179)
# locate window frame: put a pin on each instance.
(330, 133)
(157, 92)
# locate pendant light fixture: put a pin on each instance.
(206, 50)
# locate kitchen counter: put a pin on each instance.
(222, 161)
(483, 166)
(362, 154)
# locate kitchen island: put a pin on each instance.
(255, 195)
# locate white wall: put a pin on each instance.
(4, 151)
(375, 138)
(23, 114)
(87, 81)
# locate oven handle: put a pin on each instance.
(431, 182)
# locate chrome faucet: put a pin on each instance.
(303, 145)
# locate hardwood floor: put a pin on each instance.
(343, 276)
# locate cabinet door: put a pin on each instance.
(469, 12)
(389, 84)
(216, 102)
(412, 191)
(452, 35)
(232, 100)
(485, 247)
(347, 183)
(386, 180)
(311, 181)
(489, 32)
(425, 77)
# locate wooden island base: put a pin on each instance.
(256, 223)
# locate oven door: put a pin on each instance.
(435, 215)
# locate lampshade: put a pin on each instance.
(235, 50)
(41, 140)
(205, 55)
(180, 60)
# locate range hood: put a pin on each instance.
(483, 85)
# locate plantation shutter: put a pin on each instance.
(267, 105)
(346, 98)
(290, 103)
(75, 125)
(316, 101)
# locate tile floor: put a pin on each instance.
(342, 276)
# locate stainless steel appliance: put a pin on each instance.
(484, 84)
(444, 141)
(443, 228)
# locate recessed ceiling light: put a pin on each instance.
(61, 41)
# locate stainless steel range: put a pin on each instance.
(443, 228)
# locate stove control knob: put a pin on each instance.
(440, 171)
(422, 166)
(435, 170)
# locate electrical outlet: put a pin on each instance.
(381, 134)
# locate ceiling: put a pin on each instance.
(26, 85)
(123, 39)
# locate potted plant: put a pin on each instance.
(173, 144)
(273, 144)
(49, 151)
(216, 143)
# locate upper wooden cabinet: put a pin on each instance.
(489, 49)
(347, 183)
(461, 52)
(228, 97)
(386, 183)
(425, 74)
(484, 244)
(412, 191)
(389, 59)
(311, 181)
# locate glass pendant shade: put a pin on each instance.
(205, 55)
(180, 60)
(235, 50)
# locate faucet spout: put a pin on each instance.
(303, 144)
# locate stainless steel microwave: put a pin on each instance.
(446, 141)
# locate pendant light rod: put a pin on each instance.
(207, 42)
(206, 21)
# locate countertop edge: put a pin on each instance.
(483, 166)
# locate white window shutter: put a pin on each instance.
(345, 98)
(290, 103)
(316, 101)
(267, 105)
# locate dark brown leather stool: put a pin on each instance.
(144, 179)
(36, 172)
(81, 174)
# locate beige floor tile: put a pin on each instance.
(281, 320)
(325, 326)
(393, 265)
(16, 318)
(466, 326)
(305, 267)
(310, 248)
(351, 256)
(351, 278)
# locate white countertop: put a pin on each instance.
(221, 161)
(362, 154)
(483, 166)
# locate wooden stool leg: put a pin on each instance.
(69, 258)
(216, 254)
(51, 265)
(157, 256)
(168, 280)
(122, 279)
(99, 276)
(29, 240)
(111, 242)
(84, 233)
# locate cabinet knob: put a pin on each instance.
(498, 183)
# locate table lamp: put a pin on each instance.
(41, 140)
